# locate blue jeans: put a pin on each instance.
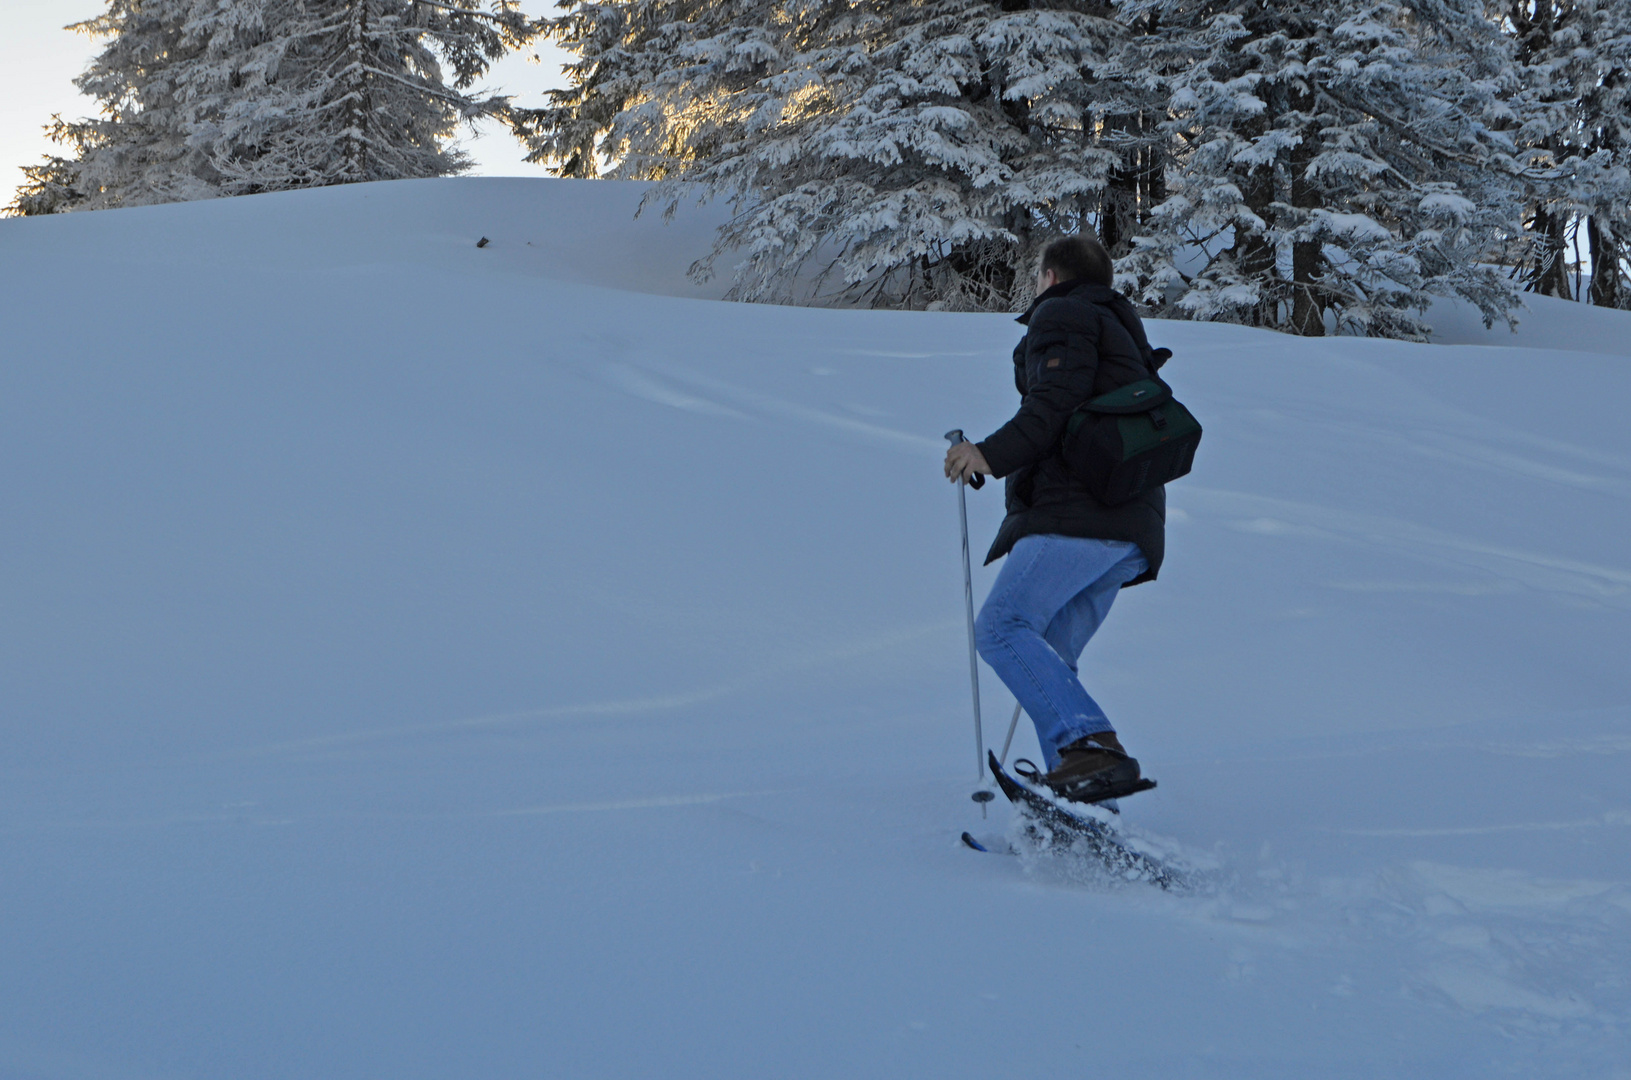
(1050, 596)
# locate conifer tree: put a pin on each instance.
(1573, 126)
(1336, 165)
(137, 150)
(919, 153)
(217, 97)
(1605, 168)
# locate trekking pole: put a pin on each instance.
(983, 795)
(1002, 759)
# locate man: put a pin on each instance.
(1068, 553)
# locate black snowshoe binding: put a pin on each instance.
(1091, 770)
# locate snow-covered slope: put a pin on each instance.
(430, 661)
(1543, 322)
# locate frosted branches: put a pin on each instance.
(201, 98)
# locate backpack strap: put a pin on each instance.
(1129, 320)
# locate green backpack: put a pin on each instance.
(1124, 443)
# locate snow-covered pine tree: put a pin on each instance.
(139, 144)
(1548, 134)
(1575, 60)
(1335, 163)
(920, 152)
(341, 91)
(50, 186)
(217, 97)
(1605, 168)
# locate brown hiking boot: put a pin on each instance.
(1092, 767)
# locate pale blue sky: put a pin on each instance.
(39, 60)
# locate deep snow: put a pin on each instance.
(430, 661)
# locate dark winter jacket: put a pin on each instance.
(1081, 340)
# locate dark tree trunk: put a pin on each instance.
(1155, 179)
(1253, 254)
(1135, 189)
(1118, 212)
(1607, 255)
(1549, 274)
(357, 105)
(1307, 311)
(1307, 257)
(1118, 206)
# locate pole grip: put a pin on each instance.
(955, 436)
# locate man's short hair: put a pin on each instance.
(1080, 256)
